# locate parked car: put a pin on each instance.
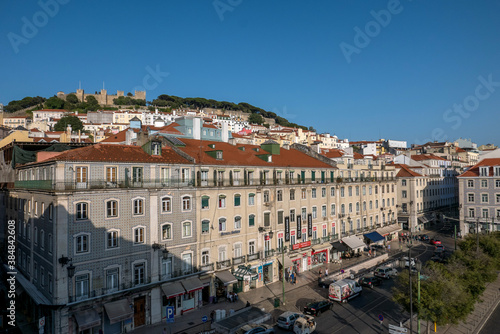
(254, 329)
(304, 326)
(370, 281)
(435, 242)
(287, 319)
(424, 237)
(385, 272)
(437, 258)
(325, 282)
(407, 263)
(439, 248)
(315, 308)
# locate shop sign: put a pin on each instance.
(310, 225)
(299, 226)
(301, 245)
(287, 228)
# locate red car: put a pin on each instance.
(435, 242)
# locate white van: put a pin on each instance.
(344, 290)
(304, 326)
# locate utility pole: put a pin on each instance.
(418, 297)
(283, 271)
(477, 235)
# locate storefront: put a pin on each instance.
(297, 265)
(319, 257)
(286, 266)
(172, 296)
(338, 249)
(355, 244)
(374, 238)
(206, 296)
(192, 298)
(224, 284)
(245, 278)
(118, 317)
(267, 272)
(389, 232)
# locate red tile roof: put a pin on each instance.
(120, 137)
(420, 157)
(333, 153)
(235, 156)
(405, 171)
(118, 153)
(474, 170)
(358, 155)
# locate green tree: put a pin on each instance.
(71, 98)
(74, 121)
(54, 103)
(255, 119)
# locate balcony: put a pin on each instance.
(325, 239)
(254, 256)
(269, 253)
(238, 260)
(315, 241)
(207, 267)
(223, 264)
(334, 237)
(99, 184)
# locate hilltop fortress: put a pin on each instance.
(102, 97)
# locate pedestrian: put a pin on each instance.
(287, 274)
(320, 272)
(326, 272)
(164, 330)
(248, 304)
(212, 316)
(292, 277)
(228, 296)
(235, 297)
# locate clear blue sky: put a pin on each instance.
(282, 56)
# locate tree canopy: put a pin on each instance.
(74, 121)
(26, 102)
(128, 101)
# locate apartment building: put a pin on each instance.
(479, 195)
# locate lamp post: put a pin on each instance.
(283, 271)
(418, 264)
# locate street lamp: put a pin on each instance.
(64, 260)
(165, 251)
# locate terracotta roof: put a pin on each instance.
(474, 170)
(405, 171)
(358, 155)
(460, 150)
(116, 138)
(118, 153)
(210, 126)
(333, 153)
(420, 157)
(234, 155)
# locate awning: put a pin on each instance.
(339, 246)
(386, 230)
(287, 261)
(173, 289)
(192, 284)
(118, 311)
(353, 242)
(374, 236)
(403, 220)
(206, 281)
(226, 277)
(87, 319)
(243, 271)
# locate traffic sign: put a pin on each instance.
(380, 317)
(170, 314)
(204, 318)
(41, 322)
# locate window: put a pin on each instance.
(497, 183)
(364, 206)
(138, 207)
(470, 197)
(470, 183)
(222, 201)
(237, 250)
(349, 191)
(112, 276)
(166, 232)
(484, 183)
(483, 171)
(323, 192)
(342, 208)
(304, 214)
(342, 191)
(237, 222)
(139, 235)
(82, 286)
(376, 204)
(222, 224)
(51, 288)
(251, 247)
(313, 192)
(81, 174)
(111, 174)
(279, 195)
(111, 209)
(81, 211)
(251, 220)
(204, 202)
(267, 219)
(484, 198)
(50, 243)
(497, 198)
(292, 215)
(205, 257)
(357, 190)
(222, 253)
(236, 178)
(136, 174)
(314, 212)
(139, 272)
(82, 243)
(485, 213)
(186, 229)
(403, 194)
(112, 239)
(166, 268)
(280, 217)
(292, 194)
(251, 199)
(35, 235)
(266, 196)
(164, 175)
(350, 207)
(205, 226)
(166, 204)
(471, 212)
(357, 207)
(323, 211)
(237, 200)
(332, 191)
(303, 194)
(332, 210)
(186, 203)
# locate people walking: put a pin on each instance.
(326, 272)
(320, 272)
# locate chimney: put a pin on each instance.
(197, 128)
(225, 132)
(128, 137)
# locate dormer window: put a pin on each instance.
(155, 148)
(483, 171)
(218, 155)
(497, 171)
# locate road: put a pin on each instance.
(360, 315)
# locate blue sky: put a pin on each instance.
(326, 64)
